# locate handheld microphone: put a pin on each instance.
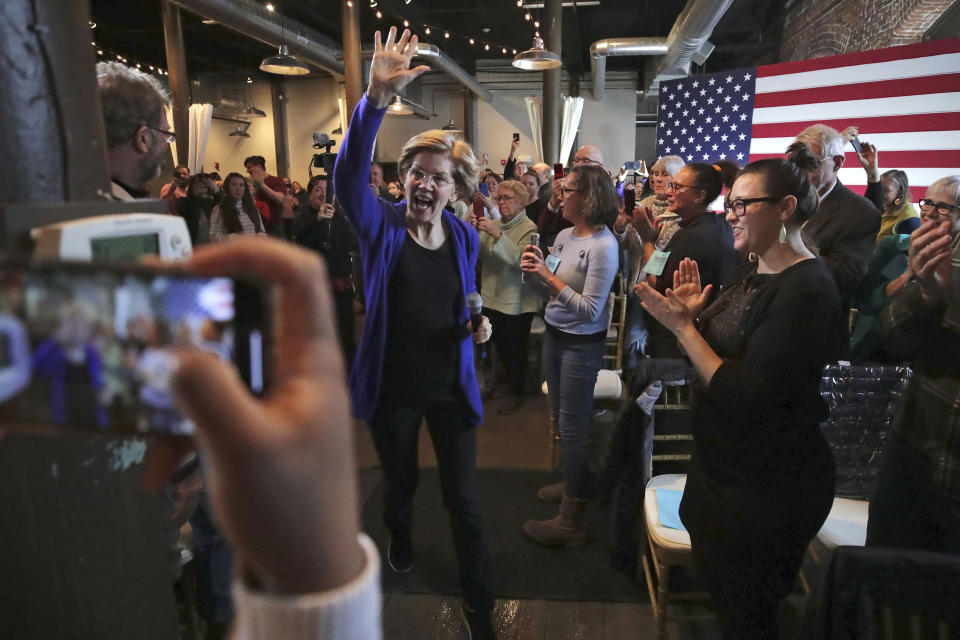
(475, 307)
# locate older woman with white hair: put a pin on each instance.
(916, 500)
(416, 355)
(508, 303)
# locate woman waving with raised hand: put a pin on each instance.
(415, 358)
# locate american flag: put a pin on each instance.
(905, 100)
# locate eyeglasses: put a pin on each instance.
(169, 136)
(675, 186)
(503, 196)
(943, 208)
(739, 206)
(589, 161)
(439, 179)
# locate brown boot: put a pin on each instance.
(551, 492)
(565, 530)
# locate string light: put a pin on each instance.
(379, 15)
(486, 47)
(527, 17)
(406, 23)
(349, 3)
(446, 34)
(426, 30)
(536, 24)
(472, 41)
(269, 7)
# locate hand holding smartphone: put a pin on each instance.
(91, 346)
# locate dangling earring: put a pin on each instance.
(783, 234)
(898, 201)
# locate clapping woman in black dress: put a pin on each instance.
(761, 479)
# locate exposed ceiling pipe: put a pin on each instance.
(688, 38)
(432, 54)
(252, 19)
(600, 49)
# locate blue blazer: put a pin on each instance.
(381, 230)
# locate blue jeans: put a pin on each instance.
(570, 369)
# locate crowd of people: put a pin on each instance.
(748, 300)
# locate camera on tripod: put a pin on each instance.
(326, 159)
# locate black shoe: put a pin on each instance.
(479, 624)
(400, 553)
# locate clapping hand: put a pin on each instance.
(929, 258)
(644, 223)
(676, 310)
(390, 69)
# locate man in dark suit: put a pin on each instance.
(844, 228)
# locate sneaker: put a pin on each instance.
(400, 553)
(479, 624)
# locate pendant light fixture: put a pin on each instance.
(537, 58)
(241, 132)
(398, 108)
(283, 63)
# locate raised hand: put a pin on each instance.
(489, 227)
(687, 289)
(644, 223)
(869, 161)
(390, 69)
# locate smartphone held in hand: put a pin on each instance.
(535, 241)
(92, 347)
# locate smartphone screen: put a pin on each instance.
(629, 200)
(484, 188)
(856, 144)
(88, 347)
(516, 137)
(558, 171)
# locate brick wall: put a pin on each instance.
(817, 28)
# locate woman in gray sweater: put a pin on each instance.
(578, 276)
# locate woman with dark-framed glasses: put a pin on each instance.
(761, 479)
(916, 500)
(415, 360)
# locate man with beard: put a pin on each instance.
(138, 133)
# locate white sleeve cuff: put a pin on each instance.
(349, 612)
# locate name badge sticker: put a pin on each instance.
(552, 263)
(656, 263)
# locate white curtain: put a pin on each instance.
(200, 117)
(572, 110)
(534, 112)
(173, 145)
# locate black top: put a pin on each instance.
(708, 240)
(760, 412)
(423, 330)
(534, 208)
(722, 319)
(196, 213)
(332, 238)
(759, 457)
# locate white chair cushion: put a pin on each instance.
(846, 525)
(662, 536)
(608, 387)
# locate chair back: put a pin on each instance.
(862, 401)
(888, 594)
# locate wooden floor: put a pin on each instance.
(519, 441)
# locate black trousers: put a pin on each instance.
(395, 435)
(511, 337)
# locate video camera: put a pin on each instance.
(326, 159)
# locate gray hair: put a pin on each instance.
(827, 138)
(947, 189)
(129, 99)
(670, 164)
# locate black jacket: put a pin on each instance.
(844, 231)
(333, 238)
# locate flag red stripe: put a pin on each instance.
(861, 91)
(916, 193)
(919, 50)
(880, 124)
(895, 159)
